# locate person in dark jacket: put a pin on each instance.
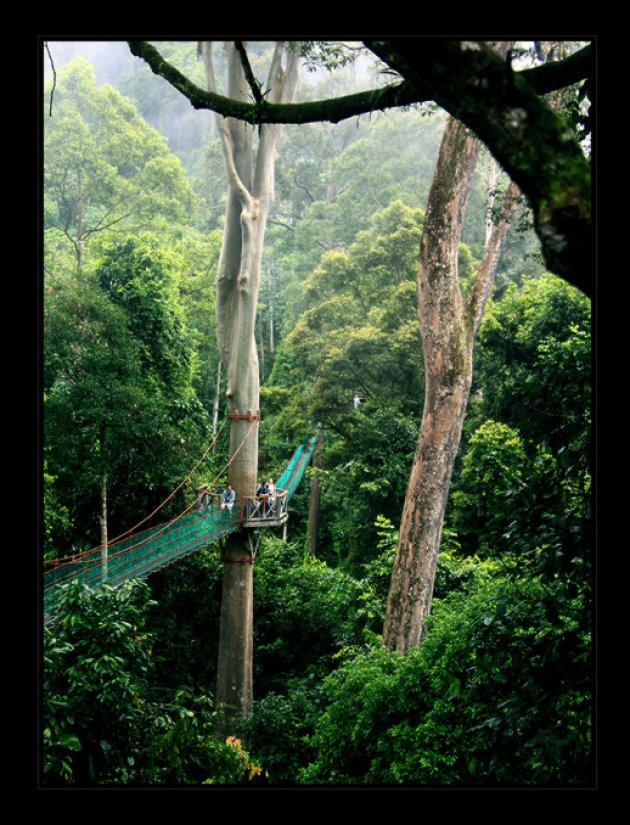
(227, 499)
(263, 492)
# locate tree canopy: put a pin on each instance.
(475, 85)
(105, 169)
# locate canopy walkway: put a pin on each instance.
(140, 553)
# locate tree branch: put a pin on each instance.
(277, 222)
(52, 65)
(247, 69)
(492, 251)
(531, 142)
(560, 73)
(474, 85)
(331, 110)
(542, 79)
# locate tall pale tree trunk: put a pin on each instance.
(215, 406)
(215, 416)
(250, 195)
(261, 346)
(448, 326)
(272, 346)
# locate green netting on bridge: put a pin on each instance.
(294, 470)
(144, 552)
(156, 547)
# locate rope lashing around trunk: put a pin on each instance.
(237, 416)
(238, 561)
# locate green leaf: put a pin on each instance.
(454, 689)
(70, 741)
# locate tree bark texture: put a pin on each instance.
(250, 195)
(448, 326)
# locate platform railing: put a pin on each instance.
(265, 510)
(255, 511)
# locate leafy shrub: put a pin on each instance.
(96, 662)
(301, 610)
(104, 719)
(279, 729)
(491, 469)
(498, 694)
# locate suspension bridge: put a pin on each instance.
(140, 552)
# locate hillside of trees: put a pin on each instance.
(135, 198)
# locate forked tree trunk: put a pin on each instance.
(448, 326)
(250, 195)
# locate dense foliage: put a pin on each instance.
(105, 721)
(118, 390)
(500, 691)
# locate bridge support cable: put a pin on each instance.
(78, 556)
(161, 545)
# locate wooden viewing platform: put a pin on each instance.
(265, 511)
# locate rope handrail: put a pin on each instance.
(79, 556)
(220, 473)
(280, 493)
(76, 557)
(159, 530)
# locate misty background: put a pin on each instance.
(168, 111)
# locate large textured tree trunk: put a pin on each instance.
(448, 326)
(250, 195)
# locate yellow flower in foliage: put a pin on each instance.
(245, 765)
